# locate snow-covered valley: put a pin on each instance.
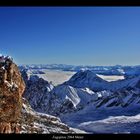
(112, 120)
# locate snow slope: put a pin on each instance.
(116, 125)
(78, 97)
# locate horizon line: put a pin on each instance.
(80, 65)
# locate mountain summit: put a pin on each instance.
(87, 79)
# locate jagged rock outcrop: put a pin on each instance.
(34, 122)
(11, 89)
(37, 89)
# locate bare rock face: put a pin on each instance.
(11, 89)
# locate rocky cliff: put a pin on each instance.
(11, 89)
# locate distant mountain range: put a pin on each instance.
(105, 70)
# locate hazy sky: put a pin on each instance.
(71, 35)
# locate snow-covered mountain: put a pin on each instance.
(36, 89)
(117, 93)
(78, 92)
(87, 79)
(85, 89)
(65, 98)
(44, 97)
(77, 96)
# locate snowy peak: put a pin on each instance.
(86, 74)
(87, 78)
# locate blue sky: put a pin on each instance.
(71, 35)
